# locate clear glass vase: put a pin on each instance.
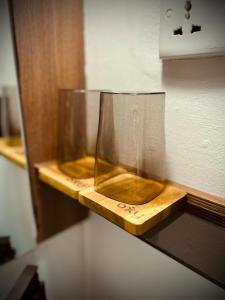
(130, 153)
(78, 126)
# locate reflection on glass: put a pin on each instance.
(78, 126)
(17, 223)
(130, 147)
(9, 120)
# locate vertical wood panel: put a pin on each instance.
(50, 51)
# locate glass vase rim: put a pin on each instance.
(132, 93)
(112, 92)
(79, 90)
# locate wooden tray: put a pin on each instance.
(136, 219)
(49, 173)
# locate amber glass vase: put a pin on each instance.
(130, 147)
(78, 126)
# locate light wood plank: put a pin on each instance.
(10, 141)
(2, 143)
(13, 153)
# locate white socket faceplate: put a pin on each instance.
(176, 24)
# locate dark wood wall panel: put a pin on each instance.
(50, 52)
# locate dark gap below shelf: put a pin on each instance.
(193, 241)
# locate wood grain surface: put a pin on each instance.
(3, 143)
(136, 219)
(50, 174)
(50, 54)
(204, 205)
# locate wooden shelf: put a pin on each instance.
(49, 173)
(2, 143)
(136, 219)
(13, 154)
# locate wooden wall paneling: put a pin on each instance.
(50, 54)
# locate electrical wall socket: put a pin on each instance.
(193, 28)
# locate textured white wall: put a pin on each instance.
(121, 39)
(122, 53)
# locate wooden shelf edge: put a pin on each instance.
(135, 219)
(2, 143)
(49, 173)
(127, 216)
(205, 205)
(14, 154)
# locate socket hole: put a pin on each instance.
(188, 6)
(187, 15)
(195, 28)
(169, 13)
(178, 31)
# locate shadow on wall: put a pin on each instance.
(202, 72)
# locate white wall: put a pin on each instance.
(122, 53)
(97, 260)
(16, 215)
(7, 67)
(61, 266)
(120, 266)
(121, 44)
(113, 265)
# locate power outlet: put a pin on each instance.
(194, 28)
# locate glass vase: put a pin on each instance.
(78, 126)
(130, 153)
